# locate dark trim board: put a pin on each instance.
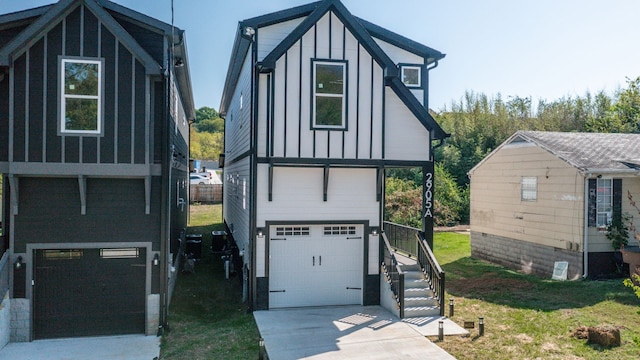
(317, 162)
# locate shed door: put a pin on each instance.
(315, 265)
(89, 292)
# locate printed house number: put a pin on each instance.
(428, 195)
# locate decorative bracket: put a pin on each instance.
(270, 182)
(379, 183)
(326, 182)
(82, 185)
(147, 194)
(13, 185)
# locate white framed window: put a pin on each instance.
(529, 188)
(604, 202)
(411, 75)
(81, 96)
(329, 89)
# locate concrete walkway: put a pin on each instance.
(126, 347)
(343, 332)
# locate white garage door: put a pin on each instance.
(315, 265)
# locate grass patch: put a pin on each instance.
(527, 317)
(207, 319)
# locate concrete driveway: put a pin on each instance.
(125, 347)
(345, 332)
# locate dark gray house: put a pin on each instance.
(318, 104)
(95, 105)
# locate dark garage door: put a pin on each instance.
(89, 292)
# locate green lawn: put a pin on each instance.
(526, 317)
(207, 319)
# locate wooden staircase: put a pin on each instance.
(419, 300)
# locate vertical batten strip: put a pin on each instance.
(115, 103)
(358, 95)
(102, 102)
(133, 107)
(63, 147)
(45, 71)
(11, 111)
(147, 120)
(26, 103)
(311, 105)
(300, 102)
(371, 110)
(346, 99)
(286, 77)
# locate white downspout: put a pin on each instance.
(585, 230)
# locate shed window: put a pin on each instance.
(81, 93)
(604, 202)
(411, 75)
(529, 188)
(329, 88)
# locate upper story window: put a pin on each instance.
(329, 88)
(529, 188)
(81, 96)
(604, 202)
(411, 75)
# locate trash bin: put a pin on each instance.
(218, 240)
(193, 247)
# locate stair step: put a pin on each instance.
(413, 267)
(413, 283)
(413, 275)
(418, 311)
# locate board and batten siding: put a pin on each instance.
(406, 138)
(270, 36)
(298, 195)
(34, 93)
(402, 56)
(555, 219)
(288, 91)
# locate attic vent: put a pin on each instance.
(518, 139)
(340, 230)
(292, 231)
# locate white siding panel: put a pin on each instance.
(263, 115)
(306, 136)
(279, 110)
(376, 117)
(322, 41)
(298, 194)
(270, 36)
(419, 94)
(406, 138)
(236, 201)
(364, 108)
(337, 37)
(351, 55)
(399, 55)
(293, 101)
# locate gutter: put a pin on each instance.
(585, 231)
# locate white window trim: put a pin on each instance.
(610, 198)
(64, 97)
(405, 67)
(315, 95)
(526, 194)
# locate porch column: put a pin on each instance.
(427, 203)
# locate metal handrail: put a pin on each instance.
(431, 269)
(393, 274)
(402, 237)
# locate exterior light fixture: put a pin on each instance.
(260, 233)
(374, 232)
(481, 326)
(440, 330)
(156, 260)
(18, 264)
(249, 31)
(451, 307)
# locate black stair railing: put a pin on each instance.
(431, 269)
(393, 274)
(401, 237)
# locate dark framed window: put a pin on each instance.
(411, 75)
(81, 83)
(329, 95)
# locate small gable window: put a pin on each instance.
(411, 75)
(329, 88)
(81, 96)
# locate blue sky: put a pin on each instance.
(544, 49)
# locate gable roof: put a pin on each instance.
(363, 31)
(587, 152)
(48, 17)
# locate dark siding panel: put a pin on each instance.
(90, 34)
(36, 101)
(72, 36)
(592, 203)
(6, 35)
(20, 73)
(152, 42)
(4, 120)
(54, 48)
(124, 105)
(139, 138)
(72, 149)
(90, 150)
(617, 199)
(108, 53)
(158, 112)
(50, 211)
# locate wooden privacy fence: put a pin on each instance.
(206, 193)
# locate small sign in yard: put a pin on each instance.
(469, 324)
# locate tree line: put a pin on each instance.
(478, 123)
